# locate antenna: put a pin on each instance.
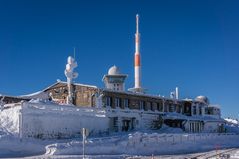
(137, 23)
(74, 52)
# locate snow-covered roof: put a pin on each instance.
(63, 82)
(232, 121)
(143, 95)
(39, 94)
(42, 94)
(174, 115)
(15, 97)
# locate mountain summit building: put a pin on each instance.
(109, 109)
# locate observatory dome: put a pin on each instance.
(114, 71)
(202, 99)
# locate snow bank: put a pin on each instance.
(11, 146)
(146, 144)
(232, 125)
(232, 121)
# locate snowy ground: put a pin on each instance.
(120, 146)
(135, 145)
(166, 141)
(214, 154)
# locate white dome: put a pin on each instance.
(202, 99)
(114, 71)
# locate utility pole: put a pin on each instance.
(84, 133)
(83, 140)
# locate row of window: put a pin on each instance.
(118, 102)
(143, 105)
(133, 104)
(212, 111)
(195, 110)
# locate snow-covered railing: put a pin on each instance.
(166, 138)
(179, 138)
(139, 143)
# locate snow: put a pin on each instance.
(9, 119)
(55, 121)
(235, 155)
(146, 144)
(11, 146)
(232, 125)
(36, 95)
(63, 82)
(43, 119)
(167, 129)
(117, 146)
(232, 121)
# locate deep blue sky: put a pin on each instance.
(190, 44)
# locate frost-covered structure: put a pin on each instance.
(47, 120)
(105, 111)
(69, 106)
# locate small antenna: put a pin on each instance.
(74, 53)
(137, 23)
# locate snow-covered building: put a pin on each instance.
(105, 111)
(64, 108)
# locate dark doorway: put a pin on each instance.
(125, 125)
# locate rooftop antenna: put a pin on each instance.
(137, 62)
(74, 53)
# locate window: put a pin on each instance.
(142, 105)
(171, 107)
(126, 103)
(108, 101)
(117, 102)
(194, 110)
(178, 108)
(150, 105)
(154, 106)
(200, 110)
(160, 106)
